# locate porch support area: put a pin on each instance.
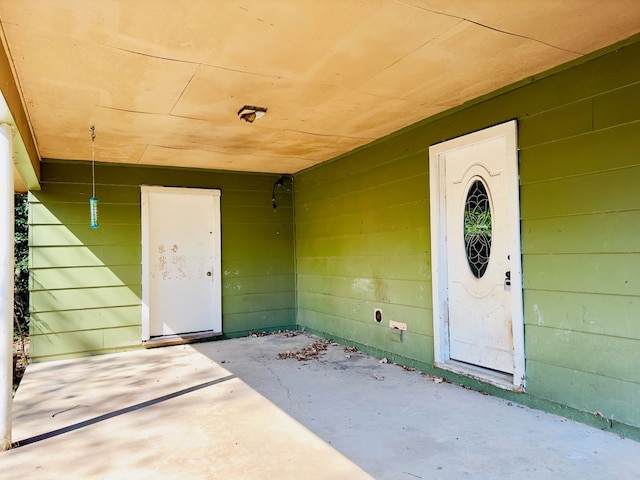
(6, 283)
(19, 172)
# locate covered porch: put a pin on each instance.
(329, 205)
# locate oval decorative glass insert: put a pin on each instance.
(477, 228)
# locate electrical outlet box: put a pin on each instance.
(398, 325)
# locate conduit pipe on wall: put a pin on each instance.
(7, 214)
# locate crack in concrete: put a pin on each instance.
(287, 389)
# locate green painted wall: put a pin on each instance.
(363, 237)
(86, 284)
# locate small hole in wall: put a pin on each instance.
(377, 315)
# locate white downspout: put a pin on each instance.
(7, 214)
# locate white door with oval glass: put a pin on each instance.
(476, 256)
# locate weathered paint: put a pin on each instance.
(86, 283)
(362, 235)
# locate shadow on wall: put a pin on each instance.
(86, 283)
(82, 279)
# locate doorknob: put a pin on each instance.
(208, 274)
(507, 281)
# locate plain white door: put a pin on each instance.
(477, 228)
(181, 261)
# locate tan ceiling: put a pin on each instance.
(162, 81)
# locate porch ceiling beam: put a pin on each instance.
(25, 153)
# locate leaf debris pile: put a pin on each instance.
(287, 333)
(309, 352)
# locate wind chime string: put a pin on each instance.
(93, 201)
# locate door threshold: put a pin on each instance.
(180, 339)
(493, 377)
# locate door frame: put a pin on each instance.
(439, 256)
(145, 230)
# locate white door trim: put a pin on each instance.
(145, 225)
(439, 257)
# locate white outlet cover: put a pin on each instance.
(398, 325)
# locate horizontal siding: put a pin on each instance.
(559, 123)
(257, 302)
(609, 274)
(410, 293)
(606, 191)
(83, 256)
(399, 192)
(363, 311)
(387, 218)
(604, 232)
(86, 319)
(615, 399)
(61, 345)
(565, 348)
(368, 176)
(363, 237)
(579, 169)
(84, 298)
(86, 284)
(610, 315)
(379, 243)
(362, 242)
(408, 345)
(245, 322)
(400, 267)
(50, 279)
(80, 235)
(238, 286)
(255, 264)
(76, 214)
(614, 108)
(54, 193)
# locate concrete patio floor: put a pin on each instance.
(233, 410)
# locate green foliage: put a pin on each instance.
(21, 288)
(477, 222)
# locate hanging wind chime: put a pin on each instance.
(93, 201)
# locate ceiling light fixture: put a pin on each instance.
(250, 114)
